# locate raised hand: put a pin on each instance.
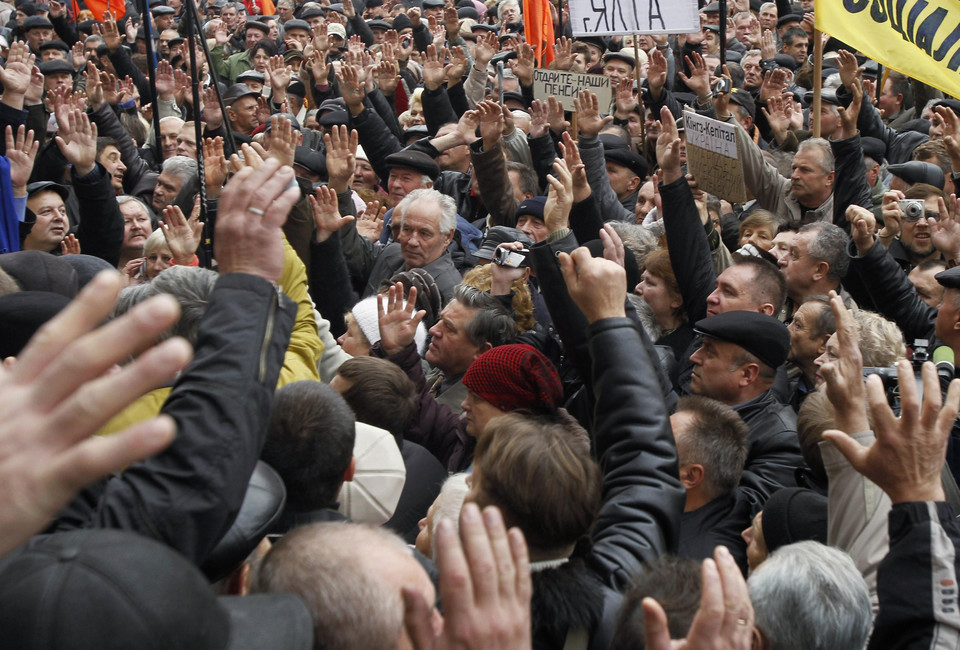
(165, 82)
(862, 226)
(563, 54)
(212, 115)
(21, 153)
(946, 231)
(485, 585)
(214, 166)
(849, 115)
(278, 75)
(777, 118)
(351, 86)
(626, 98)
(370, 224)
(467, 126)
(398, 322)
(589, 119)
(538, 119)
(110, 33)
(571, 155)
(699, 79)
(341, 146)
(47, 452)
(768, 45)
(487, 47)
(432, 69)
(724, 620)
(773, 85)
(80, 148)
(612, 245)
(77, 57)
(181, 234)
(844, 375)
(951, 133)
(15, 75)
(283, 140)
(597, 285)
(556, 210)
(524, 64)
(451, 22)
(555, 116)
(326, 214)
(491, 123)
(668, 147)
(656, 73)
(457, 66)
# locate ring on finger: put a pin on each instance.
(256, 211)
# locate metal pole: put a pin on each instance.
(151, 71)
(817, 81)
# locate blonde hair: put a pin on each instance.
(880, 340)
(481, 277)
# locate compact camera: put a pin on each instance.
(912, 209)
(513, 259)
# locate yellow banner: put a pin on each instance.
(920, 38)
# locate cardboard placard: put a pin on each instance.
(712, 157)
(565, 86)
(621, 17)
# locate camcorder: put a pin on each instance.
(942, 357)
(513, 259)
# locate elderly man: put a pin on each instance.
(736, 365)
(816, 262)
(170, 128)
(178, 172)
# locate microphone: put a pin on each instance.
(943, 358)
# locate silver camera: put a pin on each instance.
(513, 259)
(912, 209)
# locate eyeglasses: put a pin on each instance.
(928, 214)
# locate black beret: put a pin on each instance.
(952, 104)
(54, 45)
(311, 160)
(949, 278)
(874, 147)
(415, 160)
(794, 515)
(789, 18)
(786, 61)
(744, 98)
(916, 171)
(611, 141)
(335, 104)
(22, 314)
(253, 23)
(763, 336)
(502, 235)
(296, 23)
(297, 88)
(712, 28)
(632, 161)
(402, 22)
(334, 118)
(35, 22)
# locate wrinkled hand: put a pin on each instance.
(668, 147)
(15, 75)
(589, 120)
(110, 33)
(909, 452)
(253, 208)
(491, 123)
(578, 171)
(724, 620)
(351, 87)
(433, 68)
(626, 98)
(773, 85)
(181, 234)
(47, 453)
(70, 245)
(946, 232)
(555, 116)
(212, 115)
(524, 64)
(862, 226)
(457, 67)
(844, 375)
(165, 82)
(612, 245)
(341, 146)
(656, 73)
(849, 115)
(597, 285)
(485, 585)
(538, 119)
(398, 323)
(556, 210)
(21, 153)
(370, 224)
(80, 145)
(468, 125)
(563, 54)
(283, 140)
(699, 79)
(768, 45)
(487, 47)
(326, 214)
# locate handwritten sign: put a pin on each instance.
(565, 86)
(712, 157)
(619, 17)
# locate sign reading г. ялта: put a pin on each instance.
(621, 17)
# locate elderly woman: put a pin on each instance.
(174, 242)
(659, 289)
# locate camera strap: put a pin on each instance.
(950, 488)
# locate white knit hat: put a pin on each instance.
(365, 313)
(378, 479)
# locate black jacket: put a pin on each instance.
(639, 518)
(774, 449)
(718, 523)
(188, 495)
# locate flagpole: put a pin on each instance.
(817, 80)
(151, 67)
(636, 72)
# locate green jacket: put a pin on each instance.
(231, 68)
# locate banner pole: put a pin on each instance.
(817, 80)
(723, 32)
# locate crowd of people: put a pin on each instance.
(322, 329)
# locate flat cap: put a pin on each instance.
(623, 55)
(611, 141)
(763, 336)
(627, 158)
(251, 75)
(952, 104)
(296, 23)
(54, 45)
(915, 171)
(415, 160)
(827, 96)
(402, 22)
(874, 147)
(313, 161)
(379, 24)
(786, 61)
(162, 10)
(56, 66)
(744, 98)
(949, 278)
(789, 18)
(468, 12)
(312, 12)
(480, 27)
(433, 3)
(35, 22)
(48, 186)
(253, 23)
(712, 8)
(236, 91)
(334, 118)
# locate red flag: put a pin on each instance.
(117, 7)
(538, 30)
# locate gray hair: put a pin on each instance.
(880, 340)
(829, 244)
(332, 567)
(182, 167)
(638, 239)
(808, 596)
(827, 161)
(767, 5)
(190, 285)
(126, 198)
(448, 208)
(286, 3)
(492, 323)
(155, 241)
(172, 117)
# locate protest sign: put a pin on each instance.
(565, 86)
(920, 38)
(712, 157)
(620, 17)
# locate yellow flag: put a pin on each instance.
(920, 38)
